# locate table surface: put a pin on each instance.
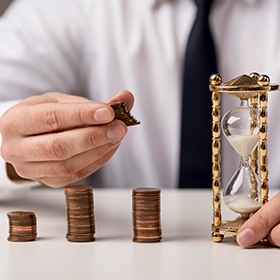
(186, 251)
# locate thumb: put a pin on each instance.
(125, 96)
(260, 224)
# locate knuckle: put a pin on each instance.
(64, 170)
(76, 176)
(52, 119)
(6, 124)
(263, 221)
(8, 153)
(82, 115)
(92, 138)
(56, 150)
(51, 96)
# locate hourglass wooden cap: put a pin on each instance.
(244, 86)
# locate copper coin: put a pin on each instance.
(122, 113)
(22, 226)
(15, 239)
(146, 240)
(80, 216)
(80, 238)
(146, 190)
(146, 215)
(72, 190)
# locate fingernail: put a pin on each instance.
(102, 115)
(246, 238)
(115, 132)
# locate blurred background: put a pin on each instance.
(3, 5)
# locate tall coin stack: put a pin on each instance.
(22, 226)
(80, 216)
(122, 113)
(146, 215)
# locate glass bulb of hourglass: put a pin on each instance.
(241, 128)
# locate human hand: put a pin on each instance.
(265, 222)
(58, 139)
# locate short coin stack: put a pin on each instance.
(80, 216)
(23, 226)
(146, 215)
(121, 113)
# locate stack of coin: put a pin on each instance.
(23, 226)
(121, 113)
(146, 215)
(80, 217)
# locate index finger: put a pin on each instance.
(48, 117)
(260, 224)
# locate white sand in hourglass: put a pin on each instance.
(242, 204)
(243, 144)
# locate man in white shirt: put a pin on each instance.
(90, 50)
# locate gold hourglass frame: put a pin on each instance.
(254, 88)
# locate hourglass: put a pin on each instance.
(245, 128)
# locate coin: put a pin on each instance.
(146, 215)
(122, 113)
(80, 214)
(22, 226)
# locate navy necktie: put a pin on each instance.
(199, 64)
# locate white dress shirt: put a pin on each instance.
(96, 48)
